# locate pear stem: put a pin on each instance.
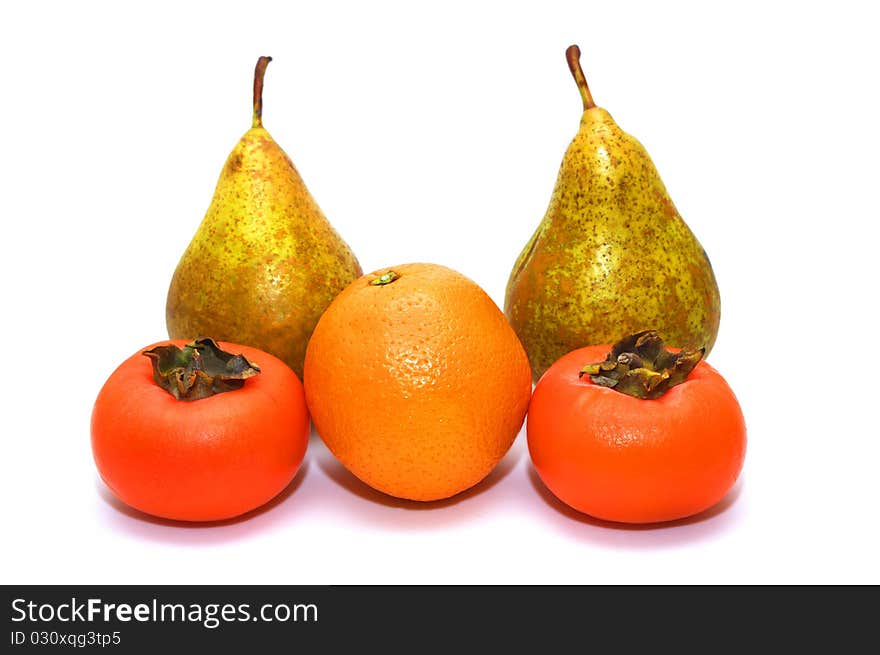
(259, 73)
(573, 56)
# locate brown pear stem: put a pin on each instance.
(259, 73)
(573, 56)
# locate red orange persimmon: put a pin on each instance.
(190, 432)
(672, 453)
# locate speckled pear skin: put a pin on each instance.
(265, 262)
(611, 257)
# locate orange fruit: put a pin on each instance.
(416, 381)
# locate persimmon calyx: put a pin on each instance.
(639, 365)
(198, 370)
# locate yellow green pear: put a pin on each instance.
(265, 262)
(612, 255)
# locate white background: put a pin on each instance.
(435, 134)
